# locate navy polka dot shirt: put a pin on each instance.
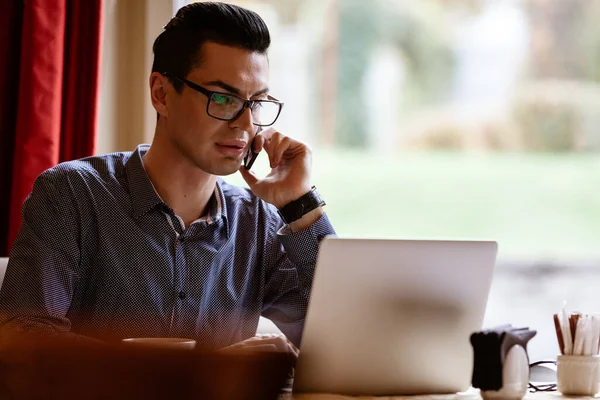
(100, 254)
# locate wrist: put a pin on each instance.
(307, 220)
(290, 197)
(297, 209)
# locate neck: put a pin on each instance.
(182, 185)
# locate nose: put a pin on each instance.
(244, 121)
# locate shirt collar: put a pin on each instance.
(220, 197)
(222, 204)
(215, 207)
(143, 196)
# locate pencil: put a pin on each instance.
(559, 336)
(573, 324)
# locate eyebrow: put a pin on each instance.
(233, 89)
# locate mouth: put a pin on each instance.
(232, 148)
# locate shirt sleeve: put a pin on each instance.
(290, 273)
(42, 268)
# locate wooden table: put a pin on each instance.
(469, 395)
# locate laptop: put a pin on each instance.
(393, 317)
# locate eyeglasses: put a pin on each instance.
(229, 107)
(543, 387)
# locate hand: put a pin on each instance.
(261, 343)
(290, 162)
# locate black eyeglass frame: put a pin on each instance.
(247, 103)
(547, 387)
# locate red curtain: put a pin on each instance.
(57, 97)
(11, 16)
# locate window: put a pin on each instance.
(455, 119)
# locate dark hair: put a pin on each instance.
(177, 48)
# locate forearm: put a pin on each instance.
(302, 246)
(289, 283)
(21, 323)
(41, 275)
(16, 329)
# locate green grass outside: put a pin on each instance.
(541, 206)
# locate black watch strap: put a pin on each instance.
(298, 208)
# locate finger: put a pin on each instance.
(264, 347)
(293, 349)
(293, 357)
(270, 139)
(279, 342)
(232, 346)
(292, 353)
(283, 146)
(261, 138)
(242, 343)
(253, 339)
(268, 335)
(245, 349)
(258, 142)
(291, 344)
(271, 144)
(249, 176)
(267, 133)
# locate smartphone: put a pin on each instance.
(251, 155)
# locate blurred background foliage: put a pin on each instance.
(555, 104)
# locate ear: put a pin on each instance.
(159, 86)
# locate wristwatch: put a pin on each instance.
(296, 209)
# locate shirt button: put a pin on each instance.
(181, 295)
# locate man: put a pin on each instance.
(153, 243)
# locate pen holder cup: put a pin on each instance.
(578, 375)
